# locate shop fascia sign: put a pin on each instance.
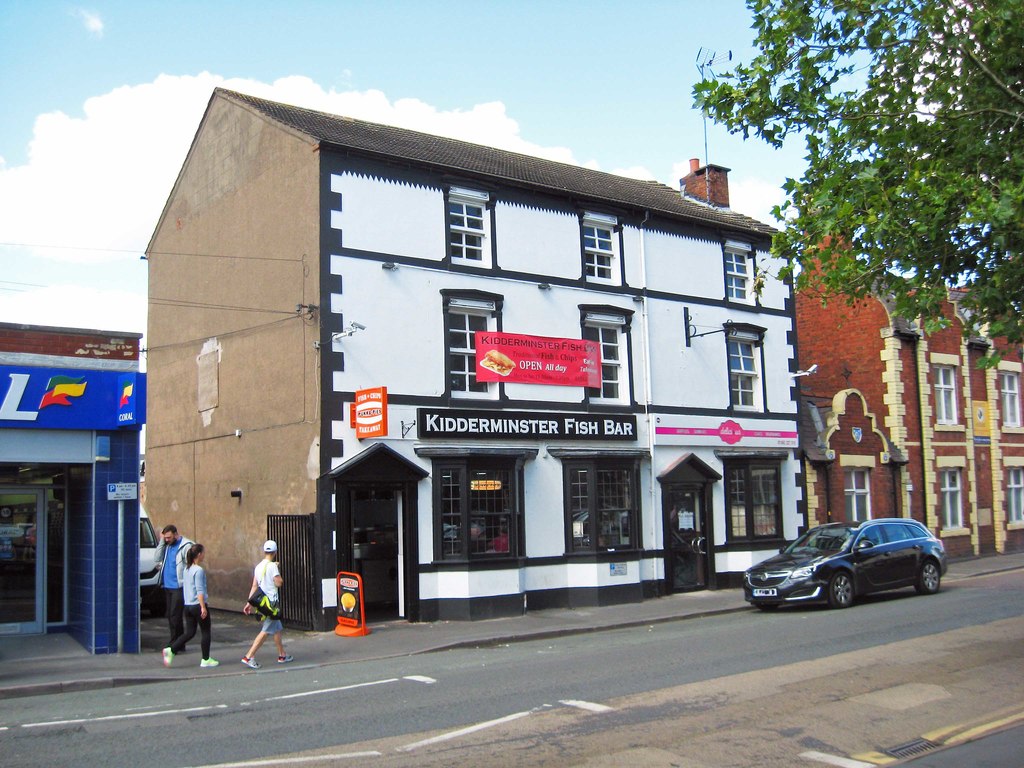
(71, 398)
(521, 359)
(729, 432)
(452, 423)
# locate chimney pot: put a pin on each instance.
(694, 164)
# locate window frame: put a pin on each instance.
(471, 304)
(731, 251)
(628, 468)
(1009, 399)
(468, 198)
(731, 471)
(946, 409)
(852, 493)
(1015, 494)
(488, 520)
(615, 371)
(949, 492)
(592, 255)
(739, 338)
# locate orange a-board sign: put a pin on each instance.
(351, 612)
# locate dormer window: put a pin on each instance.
(739, 271)
(600, 248)
(468, 227)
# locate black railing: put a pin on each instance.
(295, 553)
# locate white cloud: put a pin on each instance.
(75, 306)
(91, 21)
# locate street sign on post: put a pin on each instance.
(122, 491)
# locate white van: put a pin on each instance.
(150, 592)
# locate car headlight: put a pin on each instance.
(802, 573)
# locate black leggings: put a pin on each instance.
(193, 617)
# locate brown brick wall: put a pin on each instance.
(68, 342)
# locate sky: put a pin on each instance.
(101, 102)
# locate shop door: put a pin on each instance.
(685, 526)
(22, 544)
(376, 544)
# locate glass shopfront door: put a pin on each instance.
(22, 578)
(686, 538)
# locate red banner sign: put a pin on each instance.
(522, 359)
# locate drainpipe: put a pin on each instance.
(647, 375)
(925, 491)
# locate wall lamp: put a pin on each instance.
(544, 286)
(390, 266)
(237, 494)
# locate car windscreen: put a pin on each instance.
(825, 539)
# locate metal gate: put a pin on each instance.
(295, 553)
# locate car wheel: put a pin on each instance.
(840, 590)
(928, 578)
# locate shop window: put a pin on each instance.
(475, 509)
(858, 495)
(951, 493)
(754, 501)
(601, 504)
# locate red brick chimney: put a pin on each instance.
(710, 183)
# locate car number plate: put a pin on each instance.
(765, 593)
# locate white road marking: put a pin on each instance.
(292, 760)
(132, 716)
(841, 762)
(420, 679)
(321, 691)
(462, 732)
(587, 705)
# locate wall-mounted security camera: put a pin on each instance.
(357, 326)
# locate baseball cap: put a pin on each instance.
(270, 546)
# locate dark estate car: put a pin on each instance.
(835, 563)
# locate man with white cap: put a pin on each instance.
(267, 576)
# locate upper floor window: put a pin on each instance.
(754, 500)
(1009, 398)
(468, 225)
(602, 506)
(945, 394)
(739, 268)
(608, 330)
(600, 248)
(1015, 495)
(464, 317)
(950, 492)
(858, 495)
(743, 347)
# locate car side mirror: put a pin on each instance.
(865, 544)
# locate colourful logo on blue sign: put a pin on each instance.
(48, 398)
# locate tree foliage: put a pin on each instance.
(913, 116)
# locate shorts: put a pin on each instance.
(272, 626)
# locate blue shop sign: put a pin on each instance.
(71, 398)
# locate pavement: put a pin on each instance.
(56, 663)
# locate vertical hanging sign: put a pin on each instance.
(370, 413)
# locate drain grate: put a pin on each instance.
(912, 748)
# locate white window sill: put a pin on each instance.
(950, 428)
(954, 532)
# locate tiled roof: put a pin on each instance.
(509, 167)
